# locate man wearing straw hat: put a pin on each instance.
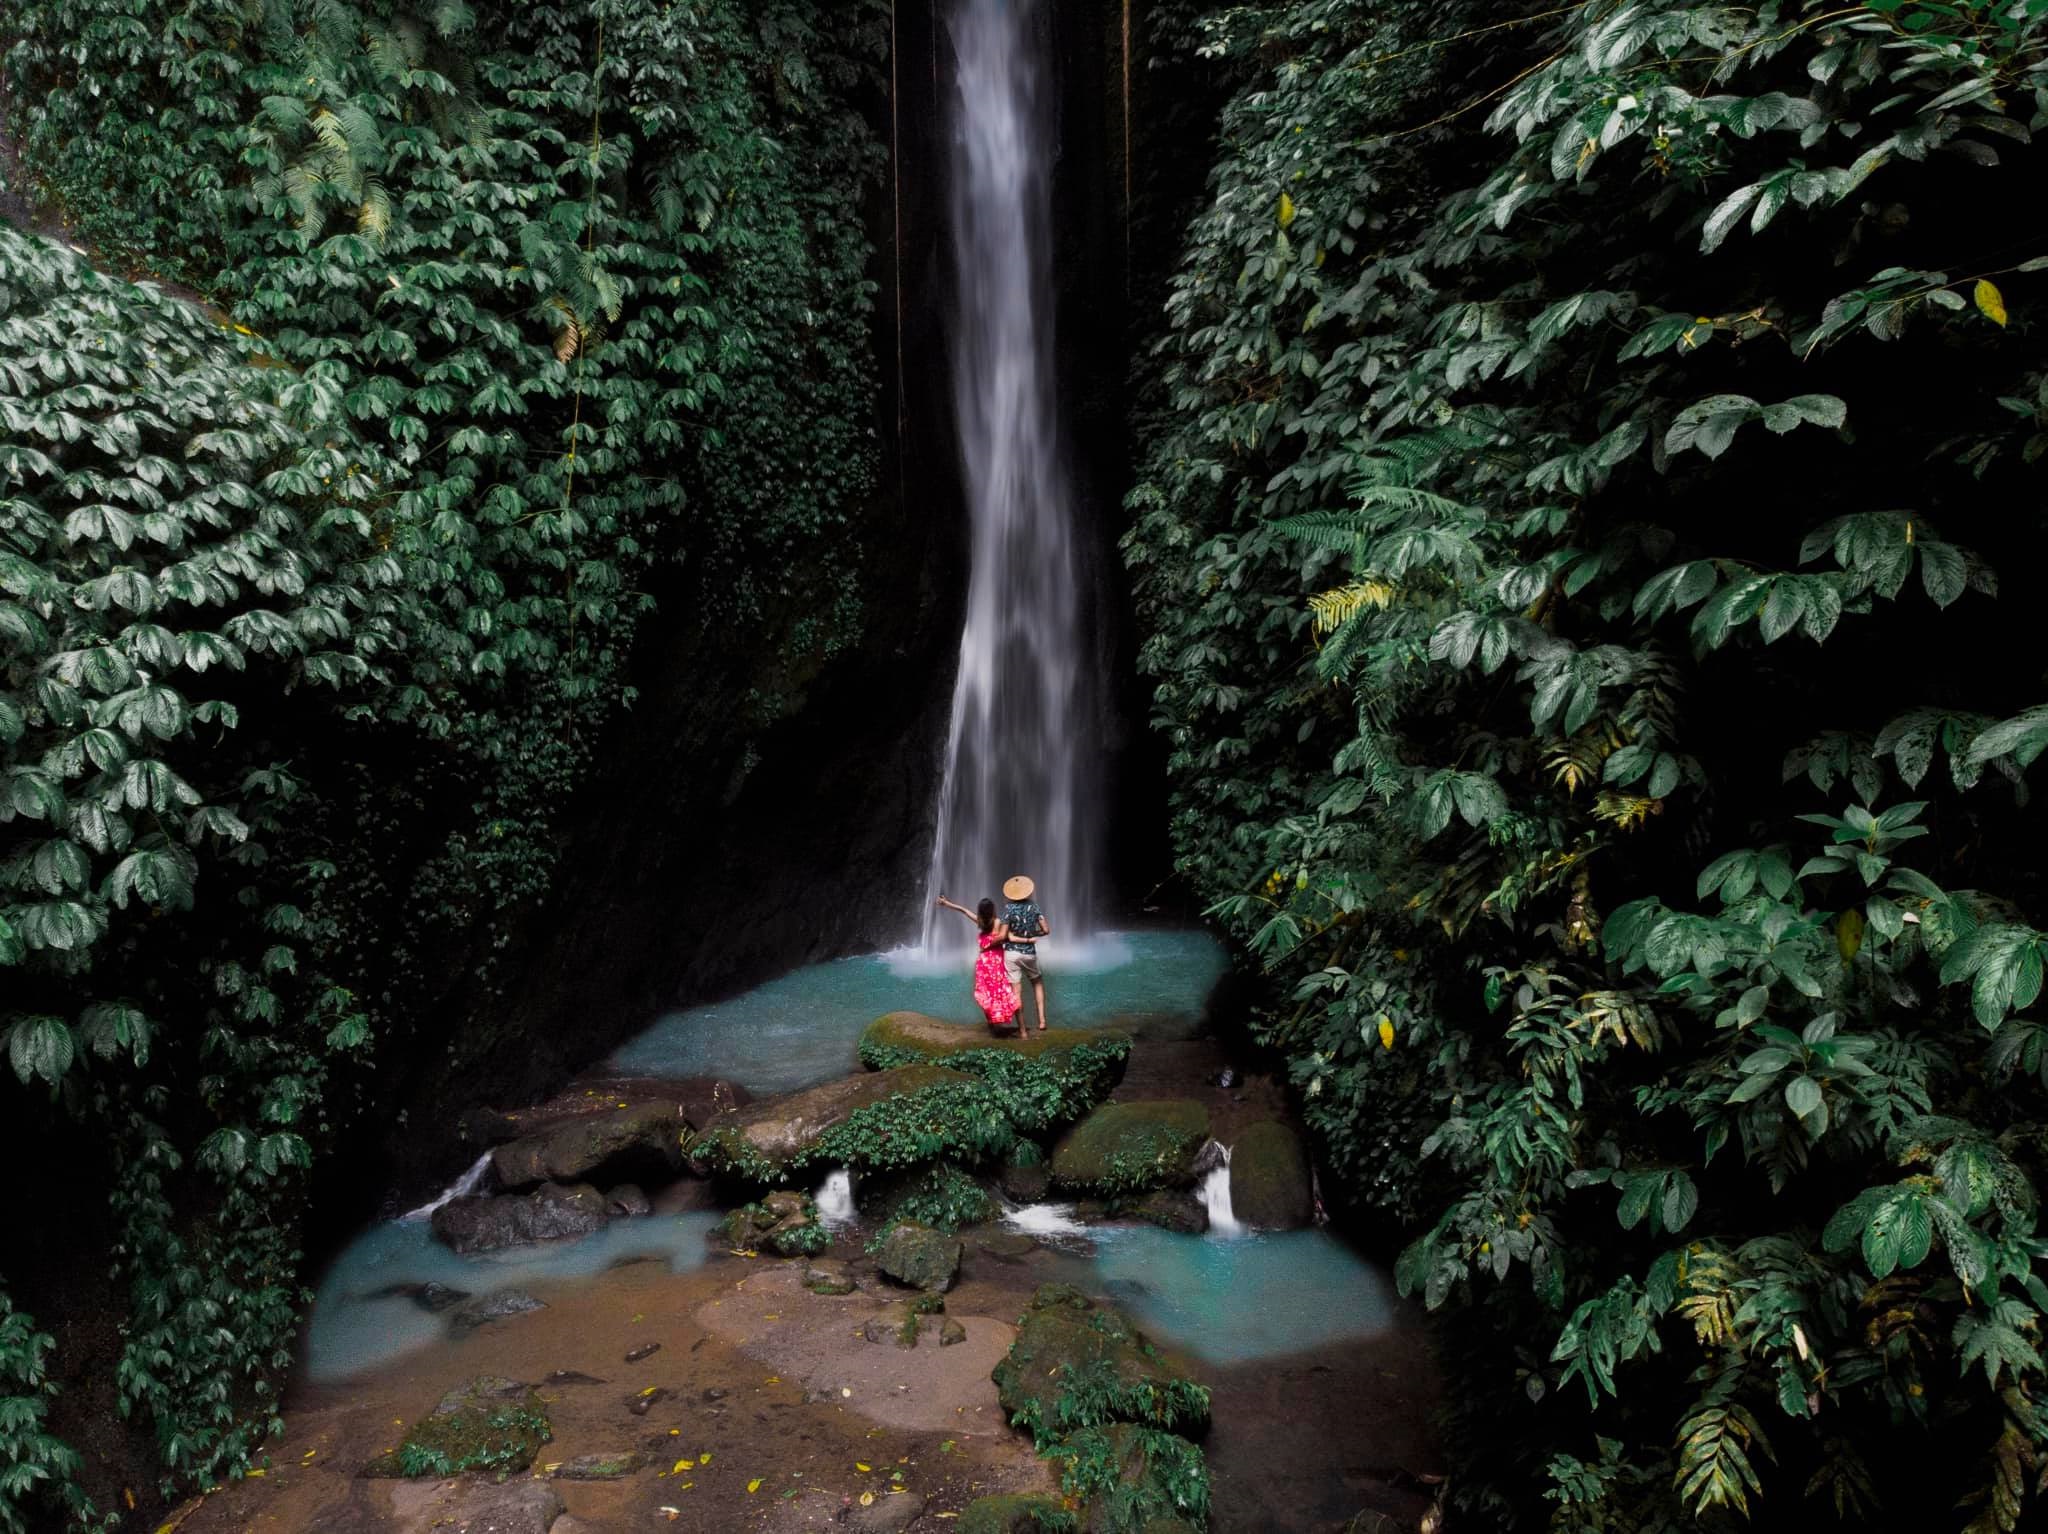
(1020, 954)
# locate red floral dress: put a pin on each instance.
(992, 990)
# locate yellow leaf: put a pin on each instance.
(650, 1390)
(753, 1486)
(683, 1464)
(867, 1499)
(704, 1459)
(863, 1469)
(1386, 1033)
(1849, 933)
(252, 1474)
(1991, 301)
(1286, 210)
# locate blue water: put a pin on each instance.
(1233, 1300)
(802, 1029)
(350, 1332)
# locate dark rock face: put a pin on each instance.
(550, 1213)
(627, 1199)
(1172, 1209)
(919, 1256)
(1269, 1186)
(636, 1140)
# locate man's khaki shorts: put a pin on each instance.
(1021, 964)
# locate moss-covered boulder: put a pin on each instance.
(919, 1256)
(1128, 1147)
(885, 1119)
(601, 1467)
(784, 1223)
(1136, 1480)
(1076, 1364)
(488, 1423)
(1016, 1515)
(943, 1196)
(639, 1140)
(1269, 1183)
(829, 1278)
(1042, 1080)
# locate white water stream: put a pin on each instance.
(1215, 1194)
(1019, 796)
(835, 1200)
(462, 1187)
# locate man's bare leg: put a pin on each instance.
(1038, 990)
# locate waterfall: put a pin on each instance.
(834, 1199)
(462, 1187)
(1017, 797)
(1215, 1191)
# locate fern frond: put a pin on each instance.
(1335, 608)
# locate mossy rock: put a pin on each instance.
(1042, 1079)
(1128, 1147)
(1016, 1515)
(489, 1423)
(1135, 1480)
(919, 1256)
(889, 1118)
(941, 1195)
(785, 1223)
(600, 1467)
(932, 1039)
(829, 1279)
(1269, 1182)
(1076, 1365)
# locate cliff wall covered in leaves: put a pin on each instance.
(1589, 505)
(321, 585)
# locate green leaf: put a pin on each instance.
(39, 1047)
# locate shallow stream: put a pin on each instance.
(801, 1029)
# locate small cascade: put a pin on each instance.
(1215, 1189)
(462, 1187)
(835, 1200)
(1044, 1220)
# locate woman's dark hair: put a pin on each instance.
(987, 913)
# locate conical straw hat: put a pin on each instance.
(1018, 888)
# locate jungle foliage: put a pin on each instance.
(316, 586)
(1580, 467)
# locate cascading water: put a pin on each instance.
(1018, 797)
(835, 1200)
(1215, 1190)
(462, 1187)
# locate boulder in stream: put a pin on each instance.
(1128, 1147)
(600, 1467)
(784, 1222)
(849, 1122)
(1269, 1186)
(551, 1212)
(919, 1256)
(494, 1307)
(1076, 1365)
(638, 1139)
(487, 1423)
(1045, 1079)
(627, 1199)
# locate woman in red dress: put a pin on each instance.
(993, 992)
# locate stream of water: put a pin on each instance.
(1019, 795)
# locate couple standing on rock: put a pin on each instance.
(1009, 953)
